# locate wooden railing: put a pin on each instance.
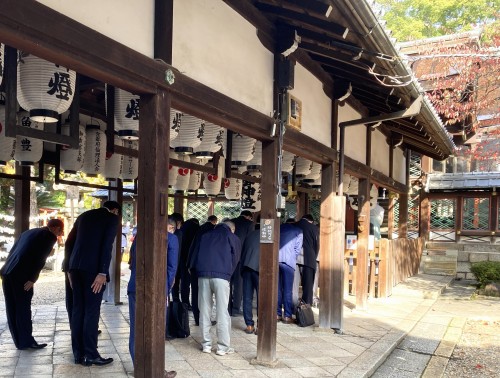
(391, 262)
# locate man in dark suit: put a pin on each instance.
(90, 242)
(311, 248)
(20, 272)
(250, 255)
(244, 225)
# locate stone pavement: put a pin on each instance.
(368, 339)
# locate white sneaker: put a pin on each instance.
(221, 352)
(207, 349)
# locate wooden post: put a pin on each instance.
(403, 216)
(152, 230)
(494, 209)
(210, 207)
(179, 205)
(118, 197)
(383, 266)
(390, 215)
(22, 201)
(362, 243)
(268, 274)
(425, 215)
(302, 205)
(332, 234)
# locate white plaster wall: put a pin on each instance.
(129, 22)
(380, 153)
(355, 136)
(217, 47)
(316, 106)
(399, 166)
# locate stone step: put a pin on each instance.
(439, 264)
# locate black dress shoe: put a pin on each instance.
(35, 345)
(99, 361)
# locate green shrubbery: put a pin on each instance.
(486, 272)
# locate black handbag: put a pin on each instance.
(304, 314)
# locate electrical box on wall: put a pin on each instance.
(294, 116)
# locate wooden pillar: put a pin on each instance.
(403, 216)
(211, 204)
(22, 201)
(302, 205)
(390, 215)
(332, 235)
(117, 195)
(268, 274)
(362, 243)
(179, 205)
(425, 215)
(152, 215)
(495, 218)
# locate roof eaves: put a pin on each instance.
(380, 37)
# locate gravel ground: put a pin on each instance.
(477, 354)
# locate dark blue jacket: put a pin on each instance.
(218, 253)
(90, 242)
(172, 260)
(194, 249)
(27, 257)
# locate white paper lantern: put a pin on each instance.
(175, 123)
(251, 195)
(212, 183)
(195, 176)
(28, 150)
(288, 162)
(172, 170)
(2, 49)
(7, 144)
(212, 141)
(314, 174)
(130, 169)
(302, 167)
(182, 182)
(243, 149)
(95, 150)
(44, 88)
(190, 135)
(72, 158)
(353, 186)
(113, 163)
(126, 114)
(232, 188)
(256, 162)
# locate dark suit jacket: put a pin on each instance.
(28, 255)
(195, 245)
(90, 241)
(243, 227)
(310, 242)
(250, 253)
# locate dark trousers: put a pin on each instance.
(285, 287)
(194, 297)
(250, 284)
(236, 293)
(69, 297)
(181, 285)
(85, 315)
(307, 284)
(18, 308)
(131, 311)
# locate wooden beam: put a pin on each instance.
(300, 144)
(362, 244)
(332, 234)
(163, 32)
(390, 215)
(268, 274)
(403, 216)
(152, 203)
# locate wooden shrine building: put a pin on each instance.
(318, 79)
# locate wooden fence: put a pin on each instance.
(391, 262)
